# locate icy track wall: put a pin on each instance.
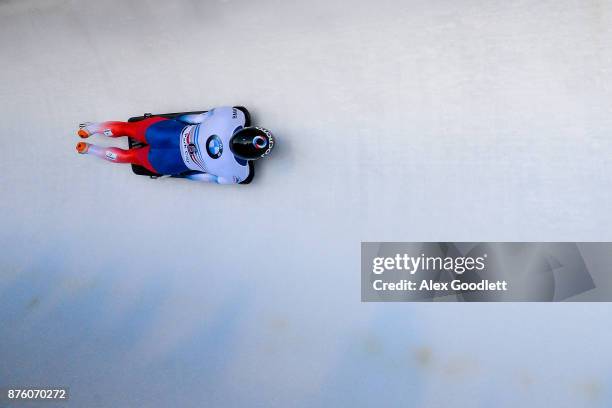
(396, 120)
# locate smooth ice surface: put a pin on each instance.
(397, 120)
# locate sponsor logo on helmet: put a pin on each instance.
(270, 140)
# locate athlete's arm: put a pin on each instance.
(193, 118)
(204, 177)
(209, 178)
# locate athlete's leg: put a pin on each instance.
(113, 154)
(136, 130)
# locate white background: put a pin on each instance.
(396, 120)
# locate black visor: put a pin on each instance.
(251, 143)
